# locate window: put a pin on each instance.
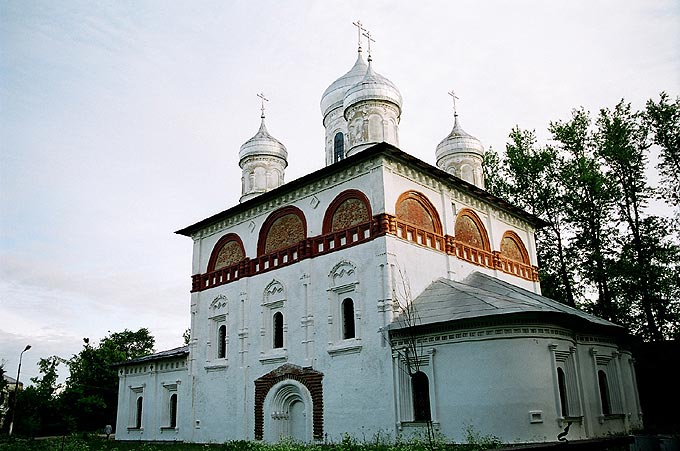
(344, 309)
(222, 342)
(278, 330)
(604, 392)
(607, 373)
(415, 380)
(138, 416)
(420, 388)
(562, 387)
(347, 319)
(567, 383)
(338, 147)
(173, 410)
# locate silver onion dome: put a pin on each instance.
(458, 141)
(334, 95)
(373, 86)
(262, 144)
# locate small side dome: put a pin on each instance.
(262, 144)
(458, 141)
(334, 95)
(373, 86)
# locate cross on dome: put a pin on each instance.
(369, 39)
(453, 95)
(360, 29)
(264, 99)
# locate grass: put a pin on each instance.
(97, 443)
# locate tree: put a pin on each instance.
(591, 188)
(92, 387)
(588, 204)
(529, 177)
(622, 143)
(663, 119)
(39, 411)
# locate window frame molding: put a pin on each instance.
(343, 285)
(273, 301)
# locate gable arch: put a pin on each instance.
(348, 209)
(512, 248)
(228, 251)
(415, 208)
(283, 228)
(470, 231)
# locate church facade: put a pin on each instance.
(377, 295)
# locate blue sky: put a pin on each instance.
(120, 122)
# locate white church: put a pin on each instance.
(377, 295)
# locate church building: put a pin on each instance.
(377, 295)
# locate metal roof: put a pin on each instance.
(481, 296)
(175, 352)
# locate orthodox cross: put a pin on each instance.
(360, 29)
(264, 99)
(369, 39)
(454, 96)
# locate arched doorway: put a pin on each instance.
(288, 412)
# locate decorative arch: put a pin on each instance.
(228, 251)
(513, 248)
(349, 208)
(297, 383)
(283, 228)
(273, 292)
(416, 209)
(470, 231)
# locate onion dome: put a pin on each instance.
(334, 95)
(373, 86)
(262, 144)
(458, 141)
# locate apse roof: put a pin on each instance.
(481, 296)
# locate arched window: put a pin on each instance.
(604, 392)
(513, 248)
(348, 319)
(173, 410)
(348, 209)
(228, 251)
(278, 330)
(282, 229)
(470, 231)
(562, 387)
(338, 147)
(222, 342)
(420, 387)
(138, 418)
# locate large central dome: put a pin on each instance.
(334, 95)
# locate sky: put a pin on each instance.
(120, 123)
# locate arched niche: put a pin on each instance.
(283, 228)
(228, 251)
(513, 248)
(415, 209)
(348, 209)
(470, 231)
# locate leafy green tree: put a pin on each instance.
(588, 204)
(663, 118)
(528, 176)
(623, 145)
(92, 387)
(39, 410)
